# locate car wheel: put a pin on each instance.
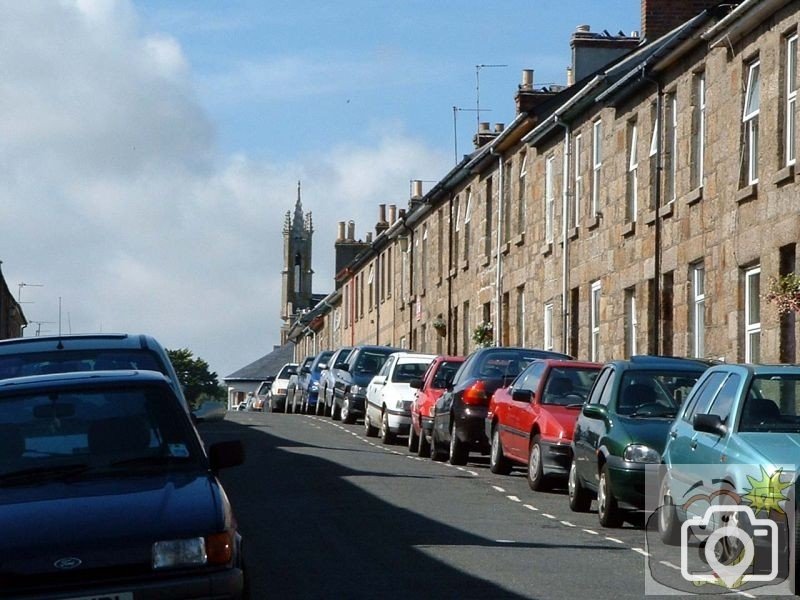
(424, 445)
(387, 437)
(347, 415)
(498, 463)
(437, 453)
(413, 440)
(579, 498)
(607, 509)
(458, 449)
(536, 477)
(369, 429)
(669, 525)
(334, 411)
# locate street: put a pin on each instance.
(327, 513)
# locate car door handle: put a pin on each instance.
(693, 445)
(673, 434)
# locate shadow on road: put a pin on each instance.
(311, 533)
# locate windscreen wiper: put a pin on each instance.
(43, 473)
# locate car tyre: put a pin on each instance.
(347, 415)
(334, 411)
(386, 435)
(498, 463)
(424, 445)
(369, 429)
(607, 509)
(579, 498)
(458, 449)
(537, 480)
(669, 525)
(413, 440)
(437, 453)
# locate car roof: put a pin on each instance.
(413, 357)
(645, 362)
(760, 369)
(77, 342)
(81, 379)
(568, 364)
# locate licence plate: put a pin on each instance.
(112, 596)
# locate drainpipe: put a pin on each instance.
(410, 254)
(657, 203)
(450, 341)
(564, 237)
(498, 332)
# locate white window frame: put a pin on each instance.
(578, 179)
(549, 199)
(371, 284)
(698, 307)
(673, 166)
(790, 123)
(633, 323)
(467, 219)
(523, 173)
(594, 318)
(597, 164)
(700, 135)
(548, 326)
(521, 313)
(752, 108)
(752, 323)
(633, 171)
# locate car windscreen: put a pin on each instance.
(408, 371)
(369, 362)
(654, 393)
(772, 404)
(287, 371)
(504, 364)
(444, 376)
(568, 386)
(68, 361)
(108, 430)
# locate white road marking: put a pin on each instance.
(616, 541)
(591, 531)
(640, 551)
(529, 507)
(567, 523)
(513, 498)
(497, 488)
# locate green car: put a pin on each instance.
(736, 440)
(622, 428)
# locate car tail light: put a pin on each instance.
(219, 548)
(475, 394)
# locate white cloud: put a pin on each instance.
(117, 201)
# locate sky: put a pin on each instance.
(150, 149)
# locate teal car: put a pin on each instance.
(736, 441)
(622, 429)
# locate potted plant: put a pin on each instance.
(440, 325)
(784, 292)
(483, 335)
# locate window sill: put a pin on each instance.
(593, 223)
(747, 193)
(464, 265)
(667, 210)
(650, 217)
(505, 248)
(628, 229)
(572, 233)
(486, 262)
(453, 272)
(785, 175)
(439, 281)
(547, 249)
(421, 293)
(519, 240)
(693, 197)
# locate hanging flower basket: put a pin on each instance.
(483, 335)
(440, 326)
(784, 293)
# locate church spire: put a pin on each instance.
(298, 210)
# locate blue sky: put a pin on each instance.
(151, 148)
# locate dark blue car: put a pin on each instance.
(308, 384)
(106, 491)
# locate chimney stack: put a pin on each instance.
(381, 225)
(484, 135)
(526, 98)
(593, 51)
(659, 17)
(416, 195)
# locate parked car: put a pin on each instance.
(350, 380)
(260, 401)
(109, 471)
(623, 427)
(326, 380)
(429, 388)
(309, 381)
(530, 422)
(292, 395)
(459, 414)
(21, 357)
(737, 417)
(389, 395)
(279, 388)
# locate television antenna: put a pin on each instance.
(478, 89)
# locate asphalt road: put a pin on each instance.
(327, 513)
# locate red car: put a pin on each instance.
(432, 385)
(531, 421)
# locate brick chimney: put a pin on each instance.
(347, 248)
(484, 135)
(662, 16)
(416, 195)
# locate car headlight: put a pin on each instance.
(356, 390)
(314, 387)
(212, 549)
(641, 454)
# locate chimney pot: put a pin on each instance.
(340, 236)
(369, 237)
(351, 231)
(499, 127)
(527, 79)
(392, 213)
(583, 29)
(484, 127)
(417, 189)
(382, 213)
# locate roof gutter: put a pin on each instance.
(740, 21)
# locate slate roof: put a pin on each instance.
(266, 366)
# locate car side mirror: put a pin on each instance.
(305, 370)
(226, 454)
(322, 366)
(710, 424)
(379, 380)
(520, 395)
(416, 384)
(595, 411)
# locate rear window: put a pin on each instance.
(504, 365)
(68, 361)
(444, 376)
(654, 393)
(407, 372)
(370, 362)
(287, 371)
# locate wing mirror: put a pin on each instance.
(710, 424)
(519, 395)
(416, 384)
(595, 411)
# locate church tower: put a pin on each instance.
(297, 273)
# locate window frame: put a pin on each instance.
(594, 320)
(750, 118)
(597, 164)
(752, 328)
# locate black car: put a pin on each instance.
(350, 380)
(459, 414)
(106, 491)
